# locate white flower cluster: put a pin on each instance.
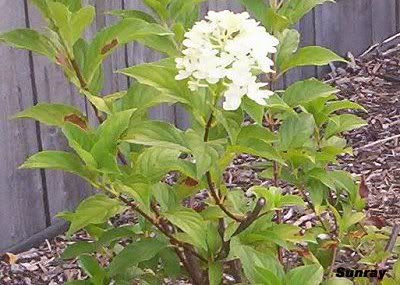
(232, 48)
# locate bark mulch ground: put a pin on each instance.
(372, 80)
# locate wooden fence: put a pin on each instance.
(30, 199)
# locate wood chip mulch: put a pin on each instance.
(372, 80)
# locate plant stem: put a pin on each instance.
(275, 178)
(211, 187)
(335, 253)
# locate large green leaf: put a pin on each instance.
(257, 7)
(58, 160)
(125, 31)
(215, 273)
(254, 110)
(161, 76)
(142, 97)
(94, 210)
(205, 154)
(267, 15)
(70, 25)
(343, 123)
(81, 141)
(108, 135)
(185, 12)
(30, 40)
(296, 131)
(135, 253)
(50, 114)
(92, 268)
(304, 91)
(294, 10)
(81, 247)
(231, 121)
(311, 55)
(288, 43)
(305, 275)
(155, 162)
(253, 259)
(165, 196)
(191, 223)
(133, 14)
(156, 133)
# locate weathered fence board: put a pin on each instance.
(383, 19)
(21, 192)
(30, 199)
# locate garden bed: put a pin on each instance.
(372, 80)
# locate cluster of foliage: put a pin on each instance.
(126, 156)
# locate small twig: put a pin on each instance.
(218, 200)
(378, 142)
(335, 253)
(393, 238)
(211, 187)
(250, 218)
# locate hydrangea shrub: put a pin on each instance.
(222, 70)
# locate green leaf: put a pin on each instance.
(116, 234)
(93, 269)
(58, 160)
(76, 249)
(108, 135)
(156, 133)
(294, 10)
(215, 272)
(158, 8)
(339, 281)
(165, 196)
(288, 44)
(133, 14)
(305, 275)
(304, 91)
(93, 210)
(257, 7)
(343, 123)
(141, 97)
(191, 223)
(161, 76)
(231, 121)
(155, 162)
(50, 114)
(205, 155)
(254, 110)
(30, 40)
(265, 276)
(273, 21)
(135, 253)
(343, 104)
(296, 131)
(250, 132)
(185, 12)
(80, 21)
(311, 55)
(125, 31)
(252, 259)
(81, 141)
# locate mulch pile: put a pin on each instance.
(372, 80)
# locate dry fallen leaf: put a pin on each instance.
(9, 258)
